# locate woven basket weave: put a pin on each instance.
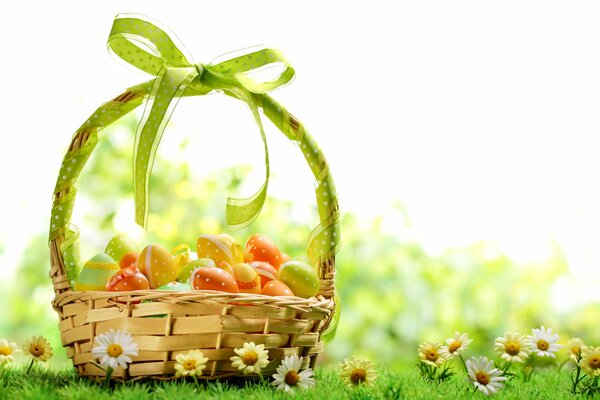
(166, 323)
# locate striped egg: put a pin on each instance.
(96, 273)
(158, 265)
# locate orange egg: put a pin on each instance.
(276, 288)
(260, 248)
(266, 271)
(127, 279)
(246, 278)
(128, 259)
(213, 278)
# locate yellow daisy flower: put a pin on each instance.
(39, 348)
(576, 347)
(513, 347)
(590, 361)
(251, 358)
(456, 345)
(430, 353)
(6, 351)
(358, 371)
(190, 364)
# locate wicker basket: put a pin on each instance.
(214, 322)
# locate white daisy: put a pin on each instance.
(6, 351)
(513, 347)
(251, 358)
(484, 376)
(289, 377)
(456, 345)
(114, 348)
(543, 342)
(191, 363)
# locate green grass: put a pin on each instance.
(44, 383)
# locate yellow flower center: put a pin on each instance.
(189, 364)
(358, 376)
(454, 346)
(291, 378)
(250, 358)
(594, 362)
(575, 350)
(512, 348)
(431, 355)
(482, 378)
(36, 350)
(114, 350)
(543, 345)
(5, 351)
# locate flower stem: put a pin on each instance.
(30, 365)
(576, 380)
(109, 372)
(197, 383)
(506, 367)
(462, 360)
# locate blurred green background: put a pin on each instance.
(394, 293)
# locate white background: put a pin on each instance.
(482, 117)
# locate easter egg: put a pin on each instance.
(182, 256)
(158, 265)
(128, 259)
(276, 288)
(215, 247)
(127, 279)
(119, 246)
(248, 281)
(266, 271)
(96, 273)
(226, 267)
(213, 278)
(186, 272)
(237, 252)
(300, 277)
(175, 286)
(260, 248)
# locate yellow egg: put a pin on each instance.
(214, 247)
(247, 278)
(158, 265)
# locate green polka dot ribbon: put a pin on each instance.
(146, 46)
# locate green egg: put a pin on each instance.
(186, 272)
(300, 277)
(119, 246)
(96, 273)
(175, 286)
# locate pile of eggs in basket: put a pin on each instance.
(220, 263)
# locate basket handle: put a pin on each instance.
(64, 237)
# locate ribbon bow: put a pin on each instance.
(146, 46)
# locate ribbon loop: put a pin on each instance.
(146, 46)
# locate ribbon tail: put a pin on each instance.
(242, 212)
(168, 88)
